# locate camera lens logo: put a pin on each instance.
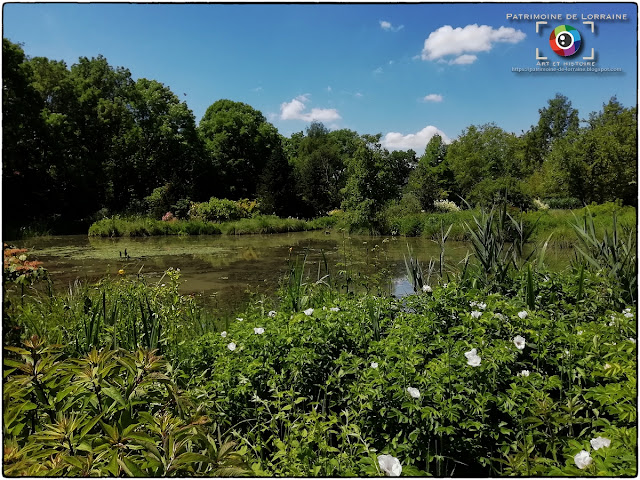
(565, 40)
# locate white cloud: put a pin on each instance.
(357, 95)
(416, 141)
(378, 71)
(463, 60)
(295, 110)
(433, 97)
(459, 42)
(329, 89)
(257, 89)
(388, 27)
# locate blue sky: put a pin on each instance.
(406, 71)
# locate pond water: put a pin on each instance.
(222, 270)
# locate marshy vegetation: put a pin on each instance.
(497, 366)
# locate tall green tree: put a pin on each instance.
(238, 142)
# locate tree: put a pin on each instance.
(238, 142)
(483, 159)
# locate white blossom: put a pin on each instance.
(272, 313)
(580, 332)
(582, 459)
(607, 366)
(223, 334)
(472, 358)
(524, 373)
(374, 364)
(414, 392)
(599, 442)
(481, 306)
(628, 314)
(308, 312)
(611, 324)
(335, 309)
(519, 341)
(258, 330)
(427, 289)
(632, 340)
(473, 304)
(390, 465)
(231, 346)
(239, 319)
(476, 314)
(523, 314)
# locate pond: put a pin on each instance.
(222, 271)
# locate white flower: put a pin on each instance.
(231, 346)
(427, 289)
(272, 313)
(476, 314)
(626, 310)
(473, 304)
(580, 332)
(524, 373)
(628, 314)
(472, 358)
(239, 319)
(334, 309)
(523, 314)
(582, 459)
(223, 334)
(481, 306)
(600, 442)
(414, 392)
(519, 342)
(607, 366)
(611, 324)
(445, 285)
(258, 330)
(308, 312)
(374, 365)
(632, 340)
(390, 465)
(500, 316)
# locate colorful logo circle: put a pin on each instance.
(565, 40)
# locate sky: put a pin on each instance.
(407, 71)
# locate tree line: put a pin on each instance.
(88, 141)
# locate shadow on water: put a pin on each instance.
(222, 271)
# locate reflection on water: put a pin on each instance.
(222, 270)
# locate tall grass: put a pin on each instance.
(144, 227)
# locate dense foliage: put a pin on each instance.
(494, 367)
(86, 142)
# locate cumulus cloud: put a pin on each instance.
(387, 26)
(295, 110)
(416, 141)
(433, 97)
(460, 42)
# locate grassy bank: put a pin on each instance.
(143, 227)
(547, 222)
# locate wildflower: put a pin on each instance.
(476, 314)
(308, 312)
(632, 340)
(607, 366)
(239, 319)
(223, 334)
(472, 358)
(500, 316)
(231, 346)
(258, 330)
(524, 373)
(473, 304)
(121, 272)
(519, 341)
(335, 309)
(523, 314)
(272, 313)
(481, 306)
(580, 332)
(626, 310)
(374, 364)
(599, 442)
(611, 324)
(414, 392)
(427, 289)
(628, 314)
(390, 465)
(582, 459)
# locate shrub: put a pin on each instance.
(445, 206)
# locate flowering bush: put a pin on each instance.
(445, 206)
(168, 217)
(18, 269)
(540, 205)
